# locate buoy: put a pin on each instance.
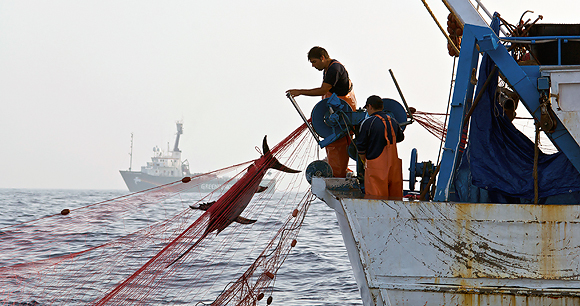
(65, 211)
(269, 274)
(293, 244)
(295, 213)
(186, 179)
(260, 296)
(269, 301)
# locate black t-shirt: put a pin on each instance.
(371, 138)
(337, 76)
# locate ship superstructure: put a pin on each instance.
(163, 168)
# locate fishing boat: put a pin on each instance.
(496, 221)
(166, 168)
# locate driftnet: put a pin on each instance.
(116, 252)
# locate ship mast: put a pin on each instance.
(179, 132)
(131, 154)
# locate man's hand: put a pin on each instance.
(320, 91)
(363, 159)
(294, 92)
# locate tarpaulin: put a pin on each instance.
(499, 161)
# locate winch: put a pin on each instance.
(424, 170)
(332, 118)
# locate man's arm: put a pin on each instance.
(320, 91)
(362, 140)
(398, 131)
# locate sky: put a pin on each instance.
(77, 78)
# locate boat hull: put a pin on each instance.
(138, 181)
(441, 253)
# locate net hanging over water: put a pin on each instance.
(116, 252)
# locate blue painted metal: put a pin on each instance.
(413, 170)
(332, 118)
(538, 38)
(395, 110)
(523, 79)
(559, 52)
(462, 98)
(424, 170)
(489, 42)
(544, 83)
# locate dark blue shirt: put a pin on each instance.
(337, 76)
(371, 137)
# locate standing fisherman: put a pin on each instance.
(334, 80)
(377, 148)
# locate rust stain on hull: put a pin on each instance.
(469, 254)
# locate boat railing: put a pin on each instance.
(544, 39)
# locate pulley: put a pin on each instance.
(318, 168)
(332, 118)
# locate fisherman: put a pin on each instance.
(377, 148)
(334, 80)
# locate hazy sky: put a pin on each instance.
(78, 77)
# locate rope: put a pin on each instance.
(536, 157)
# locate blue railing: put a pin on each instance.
(543, 39)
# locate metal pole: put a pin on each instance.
(402, 98)
(131, 154)
(302, 116)
(449, 40)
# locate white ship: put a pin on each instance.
(165, 168)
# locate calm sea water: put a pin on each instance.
(317, 271)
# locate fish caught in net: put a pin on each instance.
(116, 252)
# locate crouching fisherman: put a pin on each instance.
(377, 148)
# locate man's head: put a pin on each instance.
(374, 104)
(319, 58)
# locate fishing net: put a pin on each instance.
(431, 123)
(119, 252)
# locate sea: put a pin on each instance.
(316, 272)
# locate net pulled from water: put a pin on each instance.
(118, 252)
(431, 123)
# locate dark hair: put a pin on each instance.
(375, 101)
(317, 52)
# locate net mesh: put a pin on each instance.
(119, 251)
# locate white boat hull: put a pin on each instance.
(139, 181)
(440, 253)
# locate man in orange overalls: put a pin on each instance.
(377, 148)
(334, 80)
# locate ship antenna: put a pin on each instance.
(131, 153)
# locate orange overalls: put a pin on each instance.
(337, 152)
(384, 174)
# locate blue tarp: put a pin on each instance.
(498, 163)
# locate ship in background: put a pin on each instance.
(162, 169)
(165, 168)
